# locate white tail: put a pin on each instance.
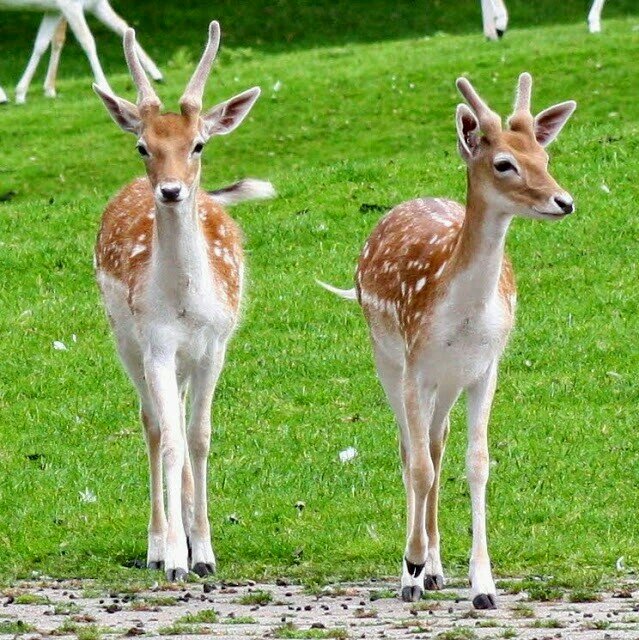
(246, 189)
(347, 294)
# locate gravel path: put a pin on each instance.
(371, 610)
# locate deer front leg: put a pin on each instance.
(157, 523)
(418, 405)
(42, 42)
(203, 382)
(594, 16)
(3, 96)
(163, 389)
(480, 399)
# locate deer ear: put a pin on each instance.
(124, 113)
(467, 132)
(227, 116)
(550, 121)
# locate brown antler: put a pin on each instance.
(191, 100)
(148, 101)
(489, 121)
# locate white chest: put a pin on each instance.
(464, 339)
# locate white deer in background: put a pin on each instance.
(59, 13)
(438, 294)
(495, 17)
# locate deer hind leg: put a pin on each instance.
(419, 403)
(439, 429)
(203, 383)
(74, 15)
(59, 38)
(594, 16)
(110, 19)
(3, 96)
(42, 42)
(480, 398)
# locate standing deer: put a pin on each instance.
(170, 268)
(495, 17)
(438, 294)
(52, 32)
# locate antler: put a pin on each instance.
(489, 121)
(191, 100)
(148, 101)
(522, 119)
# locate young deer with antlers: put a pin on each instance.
(170, 268)
(438, 294)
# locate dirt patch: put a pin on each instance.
(370, 610)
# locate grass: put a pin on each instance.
(30, 598)
(239, 620)
(258, 597)
(289, 630)
(364, 116)
(204, 616)
(15, 627)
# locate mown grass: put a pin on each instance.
(362, 117)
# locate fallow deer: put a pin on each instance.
(52, 32)
(170, 267)
(438, 293)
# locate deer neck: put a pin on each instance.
(478, 256)
(180, 259)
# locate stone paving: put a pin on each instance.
(80, 609)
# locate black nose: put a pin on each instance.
(564, 204)
(170, 193)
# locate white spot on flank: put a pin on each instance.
(434, 239)
(137, 249)
(439, 271)
(420, 284)
(217, 251)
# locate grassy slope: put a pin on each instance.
(352, 124)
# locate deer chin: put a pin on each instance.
(540, 214)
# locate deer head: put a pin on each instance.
(508, 169)
(171, 144)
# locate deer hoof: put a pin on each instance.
(484, 601)
(176, 575)
(434, 583)
(411, 594)
(204, 569)
(156, 565)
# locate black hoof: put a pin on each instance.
(484, 601)
(176, 575)
(204, 569)
(156, 566)
(411, 594)
(434, 583)
(500, 33)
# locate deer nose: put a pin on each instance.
(565, 203)
(171, 192)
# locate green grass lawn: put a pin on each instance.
(354, 123)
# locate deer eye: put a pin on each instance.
(198, 148)
(505, 165)
(142, 151)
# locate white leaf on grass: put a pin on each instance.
(348, 454)
(88, 496)
(74, 337)
(277, 86)
(605, 188)
(59, 346)
(620, 564)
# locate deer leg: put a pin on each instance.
(480, 398)
(439, 428)
(187, 477)
(42, 42)
(159, 369)
(77, 22)
(419, 404)
(109, 18)
(157, 523)
(594, 16)
(203, 383)
(500, 16)
(59, 38)
(3, 96)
